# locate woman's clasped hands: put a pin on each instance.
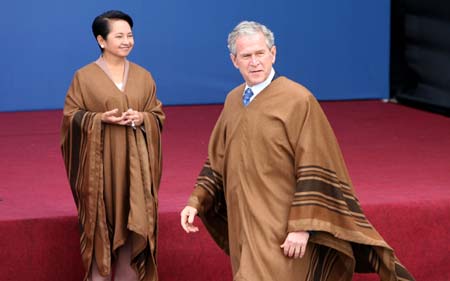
(130, 117)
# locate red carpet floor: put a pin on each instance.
(398, 157)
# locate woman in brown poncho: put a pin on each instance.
(110, 141)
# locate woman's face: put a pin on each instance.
(119, 41)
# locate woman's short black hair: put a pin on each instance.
(100, 25)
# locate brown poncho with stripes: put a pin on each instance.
(114, 171)
(275, 167)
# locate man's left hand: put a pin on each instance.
(295, 244)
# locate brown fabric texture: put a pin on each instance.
(275, 167)
(114, 171)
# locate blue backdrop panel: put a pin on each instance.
(338, 49)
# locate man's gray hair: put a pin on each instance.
(249, 28)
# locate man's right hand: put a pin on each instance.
(187, 219)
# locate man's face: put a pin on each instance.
(253, 58)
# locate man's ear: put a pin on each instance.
(273, 51)
(233, 60)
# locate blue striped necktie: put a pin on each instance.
(247, 96)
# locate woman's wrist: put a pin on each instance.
(141, 118)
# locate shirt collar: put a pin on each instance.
(256, 89)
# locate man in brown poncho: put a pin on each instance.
(274, 192)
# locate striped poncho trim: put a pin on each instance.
(333, 258)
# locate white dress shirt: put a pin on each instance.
(256, 89)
